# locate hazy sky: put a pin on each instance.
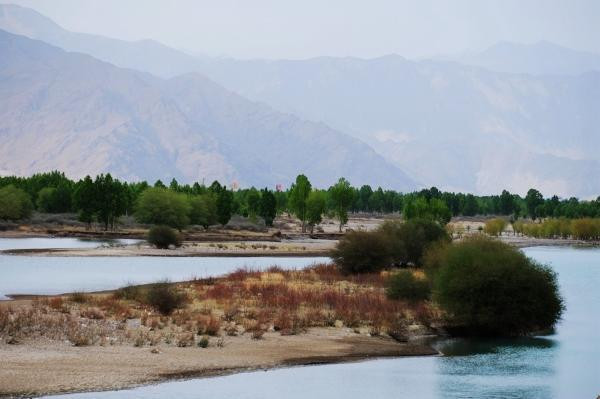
(307, 28)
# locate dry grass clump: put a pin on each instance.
(41, 321)
(290, 301)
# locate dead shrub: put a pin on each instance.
(208, 326)
(185, 340)
(56, 303)
(92, 313)
(165, 297)
(78, 297)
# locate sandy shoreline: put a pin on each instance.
(296, 248)
(287, 248)
(60, 367)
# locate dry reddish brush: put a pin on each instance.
(243, 302)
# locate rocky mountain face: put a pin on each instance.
(69, 111)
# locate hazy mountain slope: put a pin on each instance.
(542, 58)
(442, 122)
(454, 126)
(144, 55)
(72, 112)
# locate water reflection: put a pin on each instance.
(497, 368)
(482, 346)
(49, 242)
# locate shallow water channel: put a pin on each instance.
(55, 274)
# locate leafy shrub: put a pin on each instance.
(404, 285)
(15, 203)
(163, 207)
(165, 297)
(203, 209)
(487, 287)
(417, 235)
(494, 227)
(203, 342)
(129, 292)
(393, 243)
(163, 236)
(361, 252)
(582, 228)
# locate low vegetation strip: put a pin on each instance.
(587, 229)
(243, 302)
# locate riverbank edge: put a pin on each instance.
(134, 250)
(402, 350)
(116, 252)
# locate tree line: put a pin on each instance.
(104, 199)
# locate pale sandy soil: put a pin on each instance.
(522, 242)
(307, 247)
(37, 368)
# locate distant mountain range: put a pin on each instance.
(510, 117)
(71, 112)
(542, 58)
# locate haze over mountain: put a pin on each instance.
(71, 112)
(456, 126)
(541, 58)
(144, 55)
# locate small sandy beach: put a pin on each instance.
(60, 367)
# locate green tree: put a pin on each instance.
(268, 206)
(364, 195)
(299, 193)
(224, 206)
(253, 202)
(282, 201)
(315, 207)
(533, 200)
(216, 187)
(471, 207)
(203, 209)
(507, 203)
(342, 196)
(45, 200)
(433, 209)
(15, 203)
(85, 200)
(55, 199)
(110, 200)
(163, 207)
(174, 185)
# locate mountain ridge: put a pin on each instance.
(69, 111)
(459, 127)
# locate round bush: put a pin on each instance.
(487, 287)
(404, 285)
(165, 297)
(418, 235)
(361, 252)
(163, 236)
